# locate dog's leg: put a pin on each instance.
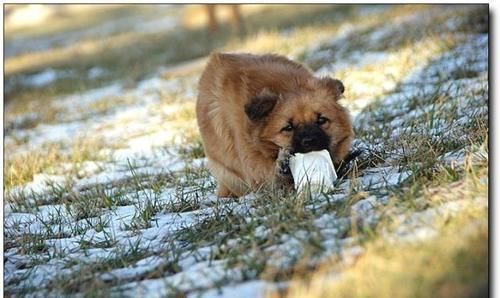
(224, 192)
(228, 183)
(341, 149)
(345, 165)
(283, 179)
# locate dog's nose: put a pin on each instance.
(308, 142)
(309, 138)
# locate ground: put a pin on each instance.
(106, 190)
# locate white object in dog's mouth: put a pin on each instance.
(314, 169)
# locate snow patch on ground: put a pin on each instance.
(43, 78)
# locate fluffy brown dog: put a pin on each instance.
(255, 110)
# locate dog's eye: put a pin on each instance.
(289, 127)
(321, 120)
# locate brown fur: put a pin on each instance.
(243, 104)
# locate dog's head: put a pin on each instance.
(303, 120)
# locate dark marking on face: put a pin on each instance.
(334, 86)
(309, 137)
(261, 105)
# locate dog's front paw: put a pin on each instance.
(283, 178)
(346, 165)
(283, 162)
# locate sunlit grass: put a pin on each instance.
(453, 264)
(376, 79)
(294, 41)
(20, 168)
(164, 47)
(74, 17)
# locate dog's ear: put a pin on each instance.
(259, 106)
(334, 87)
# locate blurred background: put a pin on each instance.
(60, 49)
(74, 47)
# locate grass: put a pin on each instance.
(86, 278)
(21, 168)
(159, 48)
(447, 266)
(162, 204)
(75, 17)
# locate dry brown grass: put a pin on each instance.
(453, 264)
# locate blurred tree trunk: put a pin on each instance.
(236, 18)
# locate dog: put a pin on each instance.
(254, 111)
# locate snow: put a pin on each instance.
(162, 24)
(416, 227)
(42, 183)
(43, 78)
(76, 102)
(96, 72)
(249, 289)
(46, 133)
(365, 207)
(356, 60)
(19, 222)
(21, 121)
(376, 178)
(201, 275)
(140, 268)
